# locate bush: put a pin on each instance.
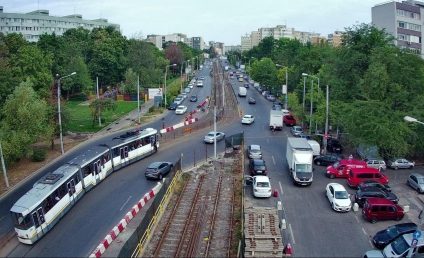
(38, 154)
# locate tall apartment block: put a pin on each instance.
(403, 20)
(33, 24)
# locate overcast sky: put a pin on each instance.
(218, 20)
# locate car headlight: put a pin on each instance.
(255, 189)
(296, 178)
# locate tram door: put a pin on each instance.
(71, 190)
(124, 155)
(97, 171)
(153, 143)
(38, 218)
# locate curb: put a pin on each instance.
(113, 234)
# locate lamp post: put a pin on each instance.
(58, 108)
(304, 90)
(311, 106)
(412, 120)
(282, 87)
(166, 71)
(327, 99)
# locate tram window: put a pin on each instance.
(62, 191)
(77, 178)
(41, 215)
(35, 218)
(116, 152)
(138, 143)
(85, 171)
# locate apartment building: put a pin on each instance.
(232, 48)
(159, 40)
(335, 39)
(33, 24)
(403, 20)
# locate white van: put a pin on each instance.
(242, 92)
(316, 148)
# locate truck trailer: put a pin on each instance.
(276, 120)
(299, 155)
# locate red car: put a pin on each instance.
(376, 209)
(359, 175)
(289, 120)
(341, 168)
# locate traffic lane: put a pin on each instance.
(104, 206)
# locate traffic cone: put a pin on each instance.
(288, 251)
(275, 193)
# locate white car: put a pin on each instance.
(184, 94)
(248, 119)
(261, 186)
(187, 90)
(209, 138)
(178, 100)
(338, 197)
(199, 84)
(190, 85)
(180, 110)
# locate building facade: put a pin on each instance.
(335, 39)
(159, 40)
(404, 21)
(232, 48)
(33, 24)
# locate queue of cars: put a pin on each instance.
(261, 184)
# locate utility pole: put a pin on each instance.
(138, 98)
(287, 87)
(98, 99)
(326, 119)
(310, 111)
(214, 129)
(3, 167)
(181, 77)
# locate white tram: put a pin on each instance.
(36, 212)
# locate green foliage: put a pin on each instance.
(97, 107)
(265, 72)
(38, 154)
(130, 84)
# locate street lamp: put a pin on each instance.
(166, 71)
(304, 90)
(58, 108)
(181, 75)
(282, 87)
(412, 120)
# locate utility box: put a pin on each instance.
(157, 100)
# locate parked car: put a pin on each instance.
(376, 209)
(375, 184)
(261, 186)
(190, 85)
(157, 170)
(240, 79)
(257, 167)
(289, 120)
(296, 130)
(276, 106)
(341, 168)
(416, 181)
(400, 247)
(326, 160)
(358, 175)
(210, 137)
(187, 90)
(173, 106)
(400, 163)
(178, 100)
(180, 110)
(377, 163)
(333, 145)
(254, 151)
(246, 85)
(338, 197)
(193, 98)
(265, 93)
(248, 119)
(270, 97)
(303, 135)
(362, 194)
(251, 100)
(384, 237)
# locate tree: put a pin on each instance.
(130, 84)
(25, 120)
(174, 54)
(265, 72)
(97, 107)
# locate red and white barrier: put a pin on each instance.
(105, 243)
(185, 123)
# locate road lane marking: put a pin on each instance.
(273, 160)
(122, 207)
(365, 232)
(291, 234)
(356, 217)
(281, 188)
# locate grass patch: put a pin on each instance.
(81, 120)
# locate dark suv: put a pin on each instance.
(364, 193)
(257, 167)
(333, 145)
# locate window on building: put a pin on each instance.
(415, 27)
(402, 24)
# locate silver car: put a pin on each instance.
(296, 130)
(400, 163)
(254, 151)
(416, 181)
(159, 169)
(376, 163)
(209, 138)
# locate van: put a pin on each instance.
(376, 209)
(358, 175)
(316, 148)
(242, 92)
(341, 168)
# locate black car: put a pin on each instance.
(173, 106)
(257, 167)
(384, 237)
(333, 145)
(157, 170)
(246, 85)
(367, 183)
(326, 160)
(364, 193)
(251, 100)
(193, 98)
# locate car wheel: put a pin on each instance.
(396, 167)
(399, 218)
(373, 220)
(318, 163)
(332, 176)
(411, 167)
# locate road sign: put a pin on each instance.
(417, 234)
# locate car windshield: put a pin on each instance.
(420, 180)
(336, 165)
(211, 134)
(306, 168)
(255, 151)
(262, 184)
(341, 195)
(392, 231)
(400, 245)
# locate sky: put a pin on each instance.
(218, 20)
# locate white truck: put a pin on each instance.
(226, 68)
(242, 91)
(299, 157)
(276, 120)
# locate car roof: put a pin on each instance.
(261, 178)
(155, 164)
(258, 161)
(377, 200)
(364, 170)
(181, 106)
(370, 188)
(337, 187)
(255, 147)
